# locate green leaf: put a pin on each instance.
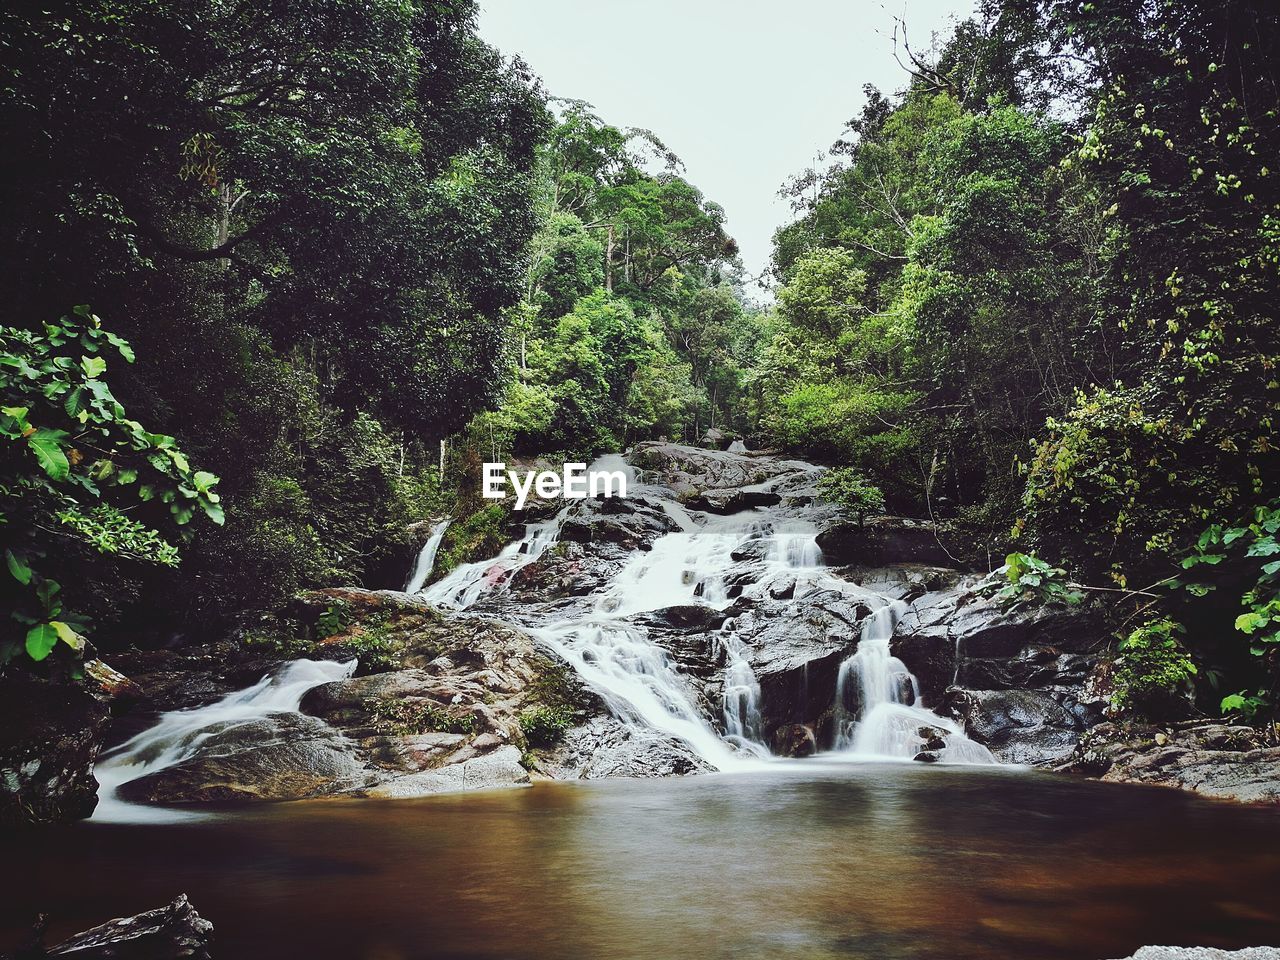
(1232, 702)
(121, 344)
(67, 635)
(1246, 623)
(47, 445)
(1265, 547)
(41, 639)
(1272, 568)
(94, 367)
(203, 480)
(18, 567)
(75, 402)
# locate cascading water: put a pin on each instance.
(465, 584)
(426, 558)
(878, 712)
(178, 734)
(634, 674)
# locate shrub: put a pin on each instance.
(1027, 577)
(395, 717)
(543, 726)
(1153, 672)
(852, 492)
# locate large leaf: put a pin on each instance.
(67, 635)
(47, 445)
(41, 639)
(18, 567)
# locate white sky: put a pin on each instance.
(746, 92)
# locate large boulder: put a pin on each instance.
(285, 756)
(605, 747)
(496, 770)
(1018, 726)
(690, 472)
(985, 629)
(884, 541)
(50, 735)
(796, 652)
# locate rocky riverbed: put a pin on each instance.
(711, 617)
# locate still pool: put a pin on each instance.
(809, 860)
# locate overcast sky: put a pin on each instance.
(746, 92)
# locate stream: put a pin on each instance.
(853, 852)
(808, 860)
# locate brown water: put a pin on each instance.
(858, 861)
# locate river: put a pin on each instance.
(810, 859)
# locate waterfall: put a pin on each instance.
(633, 674)
(878, 712)
(177, 735)
(426, 558)
(637, 681)
(467, 583)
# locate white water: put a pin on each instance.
(466, 584)
(889, 716)
(692, 565)
(426, 558)
(177, 735)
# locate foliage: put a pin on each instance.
(1028, 578)
(474, 537)
(545, 726)
(73, 463)
(410, 715)
(849, 490)
(311, 226)
(335, 618)
(1153, 671)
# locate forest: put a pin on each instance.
(929, 544)
(337, 254)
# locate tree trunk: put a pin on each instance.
(608, 261)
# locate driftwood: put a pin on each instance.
(173, 932)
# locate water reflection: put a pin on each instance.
(810, 861)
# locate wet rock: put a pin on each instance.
(1030, 667)
(172, 932)
(755, 549)
(285, 756)
(783, 589)
(927, 756)
(931, 738)
(604, 747)
(50, 735)
(1228, 761)
(984, 629)
(881, 541)
(492, 771)
(1018, 726)
(930, 654)
(794, 740)
(732, 501)
(690, 471)
(689, 617)
(796, 652)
